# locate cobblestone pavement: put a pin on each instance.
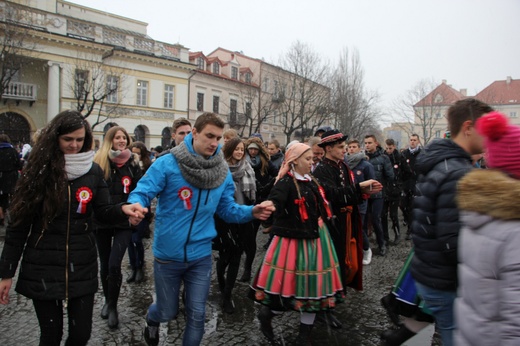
(362, 315)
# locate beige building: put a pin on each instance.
(77, 57)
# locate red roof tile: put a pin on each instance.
(448, 95)
(501, 92)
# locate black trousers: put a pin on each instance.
(390, 207)
(112, 244)
(50, 318)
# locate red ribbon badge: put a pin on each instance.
(301, 206)
(83, 195)
(126, 181)
(185, 195)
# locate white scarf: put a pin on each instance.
(77, 165)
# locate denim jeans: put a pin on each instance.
(440, 303)
(374, 210)
(168, 276)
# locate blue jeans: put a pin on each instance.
(374, 210)
(168, 276)
(440, 303)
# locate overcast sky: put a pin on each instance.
(470, 43)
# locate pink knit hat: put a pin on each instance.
(502, 142)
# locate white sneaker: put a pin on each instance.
(367, 256)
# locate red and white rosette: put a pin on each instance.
(126, 181)
(185, 194)
(83, 195)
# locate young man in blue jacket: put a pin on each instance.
(192, 183)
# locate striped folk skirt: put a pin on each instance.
(299, 274)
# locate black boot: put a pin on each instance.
(397, 337)
(104, 309)
(131, 278)
(304, 337)
(151, 335)
(139, 275)
(332, 321)
(265, 316)
(114, 287)
(228, 306)
(246, 277)
(391, 306)
(397, 238)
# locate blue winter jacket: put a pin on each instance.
(183, 234)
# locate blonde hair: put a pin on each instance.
(101, 157)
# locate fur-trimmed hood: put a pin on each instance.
(490, 192)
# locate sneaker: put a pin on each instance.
(367, 256)
(151, 335)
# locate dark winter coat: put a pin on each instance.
(60, 262)
(408, 172)
(392, 191)
(286, 220)
(277, 160)
(9, 166)
(115, 184)
(363, 171)
(436, 224)
(341, 191)
(383, 170)
(487, 309)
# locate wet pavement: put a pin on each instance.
(362, 315)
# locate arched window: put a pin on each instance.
(139, 134)
(166, 137)
(16, 127)
(108, 126)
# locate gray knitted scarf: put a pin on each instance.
(198, 171)
(353, 160)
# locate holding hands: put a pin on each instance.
(135, 212)
(370, 186)
(263, 210)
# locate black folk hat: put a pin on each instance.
(332, 137)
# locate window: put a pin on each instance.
(437, 115)
(80, 84)
(142, 93)
(139, 134)
(200, 63)
(200, 102)
(438, 98)
(234, 72)
(233, 112)
(438, 134)
(216, 101)
(112, 83)
(168, 96)
(248, 78)
(512, 114)
(275, 117)
(265, 85)
(248, 109)
(216, 68)
(166, 137)
(275, 88)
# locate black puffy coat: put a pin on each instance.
(436, 224)
(60, 262)
(116, 188)
(392, 191)
(408, 170)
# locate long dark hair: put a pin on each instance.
(145, 154)
(229, 148)
(43, 182)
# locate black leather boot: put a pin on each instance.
(391, 306)
(131, 278)
(265, 316)
(397, 233)
(114, 287)
(104, 309)
(397, 337)
(304, 337)
(139, 275)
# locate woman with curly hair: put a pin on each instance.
(121, 173)
(135, 246)
(50, 225)
(231, 235)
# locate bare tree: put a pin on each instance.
(17, 47)
(354, 108)
(96, 88)
(420, 109)
(301, 97)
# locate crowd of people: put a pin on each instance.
(319, 200)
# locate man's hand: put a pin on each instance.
(263, 210)
(370, 186)
(135, 212)
(5, 286)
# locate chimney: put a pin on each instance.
(444, 81)
(464, 92)
(508, 80)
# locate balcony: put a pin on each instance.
(20, 92)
